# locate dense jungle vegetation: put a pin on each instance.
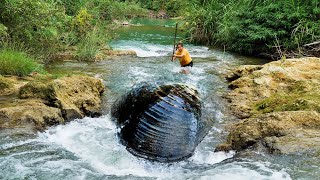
(39, 29)
(257, 27)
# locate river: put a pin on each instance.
(89, 148)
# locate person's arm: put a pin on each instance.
(182, 54)
(179, 56)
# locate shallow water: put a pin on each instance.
(89, 148)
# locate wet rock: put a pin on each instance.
(10, 85)
(109, 52)
(279, 104)
(102, 53)
(282, 132)
(105, 53)
(76, 96)
(31, 114)
(292, 75)
(37, 102)
(242, 71)
(160, 123)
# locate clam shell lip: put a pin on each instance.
(162, 123)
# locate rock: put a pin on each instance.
(160, 123)
(10, 85)
(66, 55)
(32, 114)
(76, 96)
(283, 132)
(279, 104)
(300, 75)
(242, 71)
(109, 52)
(39, 101)
(104, 53)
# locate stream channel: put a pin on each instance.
(89, 148)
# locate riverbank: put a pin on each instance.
(39, 101)
(278, 105)
(102, 53)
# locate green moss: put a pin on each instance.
(291, 101)
(294, 99)
(4, 84)
(37, 89)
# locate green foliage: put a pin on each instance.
(255, 26)
(3, 32)
(172, 7)
(81, 23)
(18, 63)
(89, 45)
(48, 26)
(36, 23)
(114, 10)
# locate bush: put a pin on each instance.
(3, 32)
(47, 27)
(36, 23)
(88, 47)
(256, 26)
(172, 7)
(18, 63)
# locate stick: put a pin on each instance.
(174, 42)
(314, 43)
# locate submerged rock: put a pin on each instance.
(160, 123)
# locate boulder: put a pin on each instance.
(273, 80)
(10, 85)
(37, 102)
(242, 71)
(279, 103)
(282, 132)
(31, 114)
(76, 96)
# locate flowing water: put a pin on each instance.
(89, 148)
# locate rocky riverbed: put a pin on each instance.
(278, 105)
(39, 101)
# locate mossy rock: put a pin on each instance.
(279, 105)
(5, 83)
(76, 96)
(280, 132)
(33, 114)
(37, 89)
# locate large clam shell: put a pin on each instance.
(161, 123)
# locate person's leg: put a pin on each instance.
(185, 70)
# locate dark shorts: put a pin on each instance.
(190, 64)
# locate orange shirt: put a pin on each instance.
(186, 59)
